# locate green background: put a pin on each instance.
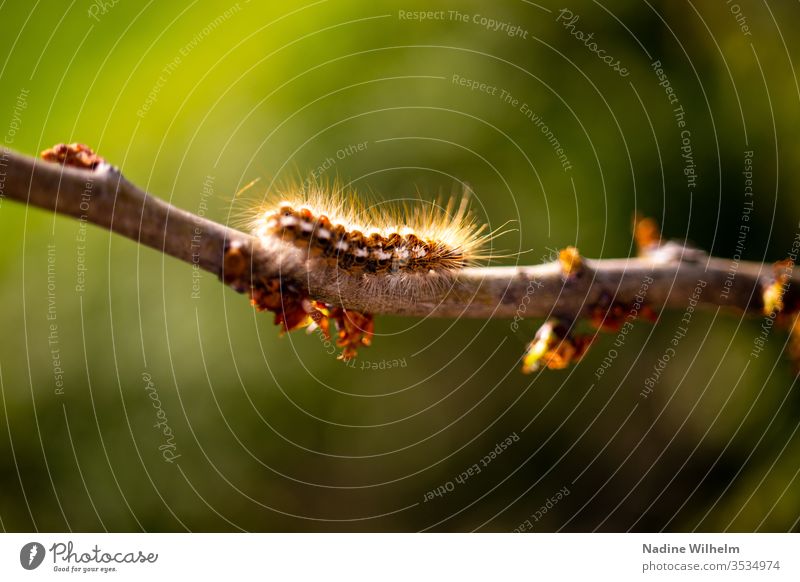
(274, 433)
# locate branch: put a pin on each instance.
(98, 193)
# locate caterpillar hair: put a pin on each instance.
(412, 241)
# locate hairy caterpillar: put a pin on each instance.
(406, 242)
(406, 248)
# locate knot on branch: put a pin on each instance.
(609, 315)
(571, 262)
(646, 234)
(554, 346)
(76, 155)
(774, 292)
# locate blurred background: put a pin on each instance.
(136, 396)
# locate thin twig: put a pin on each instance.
(104, 197)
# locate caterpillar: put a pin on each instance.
(333, 224)
(400, 248)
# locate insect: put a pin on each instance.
(403, 248)
(409, 241)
